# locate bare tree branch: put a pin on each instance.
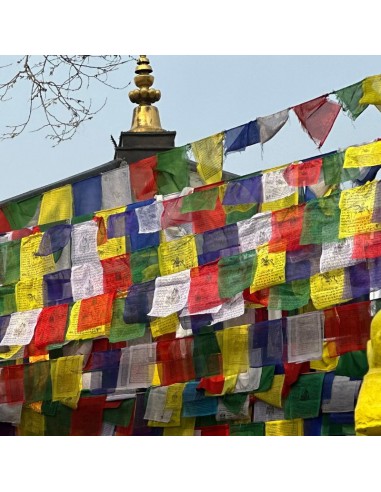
(58, 88)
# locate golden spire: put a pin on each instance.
(145, 117)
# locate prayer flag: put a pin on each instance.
(209, 154)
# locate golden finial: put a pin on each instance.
(145, 117)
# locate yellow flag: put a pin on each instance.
(174, 402)
(32, 423)
(286, 202)
(32, 265)
(12, 352)
(176, 256)
(56, 205)
(66, 375)
(163, 326)
(29, 294)
(357, 206)
(115, 246)
(273, 396)
(271, 269)
(363, 155)
(209, 155)
(326, 363)
(371, 87)
(186, 428)
(293, 427)
(73, 333)
(327, 288)
(233, 344)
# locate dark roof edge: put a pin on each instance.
(108, 166)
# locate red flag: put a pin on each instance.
(86, 420)
(116, 274)
(95, 311)
(143, 178)
(51, 325)
(348, 327)
(303, 174)
(203, 292)
(317, 117)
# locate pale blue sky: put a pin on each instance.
(201, 95)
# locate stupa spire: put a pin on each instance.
(145, 117)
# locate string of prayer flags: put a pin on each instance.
(116, 188)
(56, 205)
(270, 125)
(209, 154)
(349, 98)
(172, 170)
(317, 117)
(371, 87)
(334, 172)
(87, 195)
(363, 155)
(237, 139)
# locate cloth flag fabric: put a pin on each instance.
(270, 125)
(363, 155)
(172, 170)
(239, 138)
(209, 154)
(56, 205)
(87, 195)
(371, 87)
(317, 117)
(349, 98)
(143, 178)
(116, 188)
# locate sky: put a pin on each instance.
(218, 64)
(201, 95)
